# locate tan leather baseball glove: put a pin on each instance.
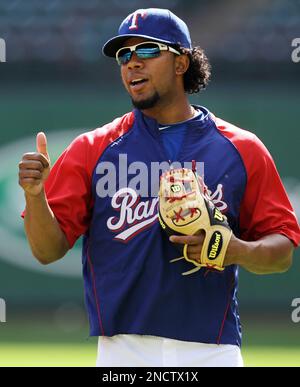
(185, 208)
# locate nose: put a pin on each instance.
(135, 62)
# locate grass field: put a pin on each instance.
(265, 344)
(269, 356)
(48, 355)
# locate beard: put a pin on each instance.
(148, 103)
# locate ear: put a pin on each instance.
(182, 64)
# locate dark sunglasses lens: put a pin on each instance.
(143, 51)
(148, 50)
(124, 56)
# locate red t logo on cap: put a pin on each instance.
(135, 18)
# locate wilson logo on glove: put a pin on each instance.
(186, 209)
(176, 188)
(215, 246)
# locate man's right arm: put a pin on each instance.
(47, 241)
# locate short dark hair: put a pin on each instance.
(198, 74)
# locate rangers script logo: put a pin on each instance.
(134, 216)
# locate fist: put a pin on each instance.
(34, 167)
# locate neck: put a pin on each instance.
(172, 112)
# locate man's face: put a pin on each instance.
(158, 75)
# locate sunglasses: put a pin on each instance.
(144, 50)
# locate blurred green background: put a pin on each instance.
(54, 81)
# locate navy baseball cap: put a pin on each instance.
(157, 24)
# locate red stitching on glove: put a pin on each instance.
(172, 199)
(178, 215)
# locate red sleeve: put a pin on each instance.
(265, 208)
(68, 190)
(69, 185)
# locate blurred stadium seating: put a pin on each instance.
(73, 30)
(62, 31)
(264, 33)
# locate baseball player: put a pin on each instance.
(145, 312)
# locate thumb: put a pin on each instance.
(41, 144)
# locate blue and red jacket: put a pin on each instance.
(130, 286)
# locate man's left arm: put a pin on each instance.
(268, 255)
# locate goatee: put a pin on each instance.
(146, 103)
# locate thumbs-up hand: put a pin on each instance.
(41, 147)
(41, 144)
(34, 167)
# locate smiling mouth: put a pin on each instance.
(137, 82)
